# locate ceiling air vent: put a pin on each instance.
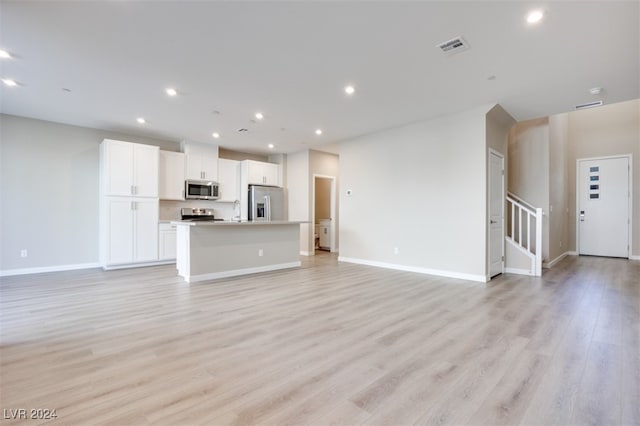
(590, 105)
(455, 45)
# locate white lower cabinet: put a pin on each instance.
(167, 241)
(130, 230)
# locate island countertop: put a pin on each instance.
(235, 222)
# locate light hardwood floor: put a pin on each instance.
(326, 344)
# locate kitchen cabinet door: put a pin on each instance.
(229, 179)
(255, 173)
(194, 167)
(145, 230)
(202, 167)
(171, 175)
(260, 173)
(117, 167)
(119, 244)
(131, 230)
(129, 169)
(270, 172)
(210, 168)
(167, 242)
(145, 170)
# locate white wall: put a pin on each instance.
(599, 132)
(297, 175)
(420, 188)
(528, 174)
(49, 191)
(558, 237)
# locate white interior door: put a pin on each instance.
(603, 207)
(496, 213)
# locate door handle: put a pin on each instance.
(581, 215)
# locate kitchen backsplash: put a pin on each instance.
(170, 210)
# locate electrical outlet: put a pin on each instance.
(260, 252)
(396, 250)
(24, 253)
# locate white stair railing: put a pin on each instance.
(523, 217)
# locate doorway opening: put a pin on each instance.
(324, 213)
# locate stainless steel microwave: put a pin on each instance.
(201, 190)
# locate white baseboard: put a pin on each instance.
(518, 271)
(43, 269)
(137, 265)
(419, 270)
(572, 253)
(557, 259)
(244, 271)
(634, 257)
(306, 253)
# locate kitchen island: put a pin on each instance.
(209, 250)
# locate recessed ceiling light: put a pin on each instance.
(4, 54)
(535, 16)
(595, 90)
(171, 91)
(349, 90)
(271, 146)
(141, 120)
(259, 115)
(216, 135)
(9, 82)
(318, 132)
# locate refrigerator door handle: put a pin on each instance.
(267, 203)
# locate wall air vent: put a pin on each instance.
(455, 45)
(590, 105)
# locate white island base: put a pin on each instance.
(211, 250)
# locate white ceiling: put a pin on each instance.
(291, 61)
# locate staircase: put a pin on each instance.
(524, 237)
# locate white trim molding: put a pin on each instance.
(558, 259)
(634, 257)
(244, 271)
(43, 269)
(417, 269)
(518, 271)
(306, 253)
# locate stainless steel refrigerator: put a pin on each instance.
(266, 203)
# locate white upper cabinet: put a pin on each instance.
(201, 161)
(229, 179)
(259, 173)
(129, 169)
(172, 175)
